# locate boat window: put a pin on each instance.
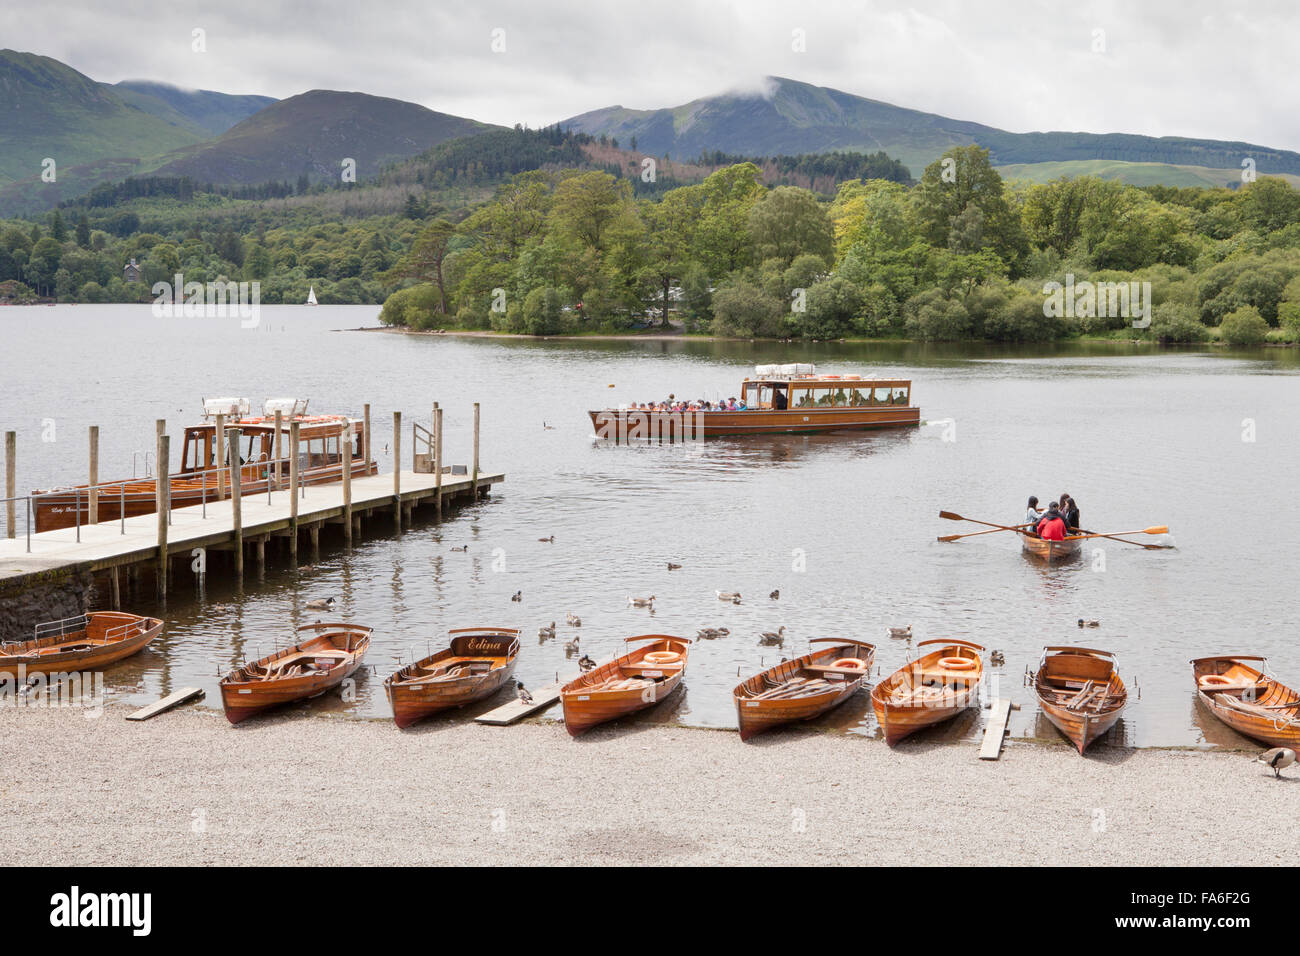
(751, 394)
(800, 397)
(840, 397)
(860, 396)
(900, 396)
(883, 396)
(823, 396)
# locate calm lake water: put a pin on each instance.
(844, 526)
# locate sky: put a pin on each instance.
(1222, 69)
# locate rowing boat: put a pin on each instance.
(1080, 691)
(474, 666)
(933, 688)
(325, 656)
(803, 688)
(639, 679)
(1049, 551)
(84, 642)
(1248, 700)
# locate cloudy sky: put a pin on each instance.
(1215, 68)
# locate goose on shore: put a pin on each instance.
(573, 620)
(546, 633)
(732, 596)
(773, 637)
(1277, 758)
(320, 604)
(641, 601)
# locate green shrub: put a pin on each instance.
(1176, 322)
(1245, 326)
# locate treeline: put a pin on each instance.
(960, 255)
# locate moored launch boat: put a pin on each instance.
(933, 688)
(779, 399)
(1080, 691)
(84, 642)
(639, 679)
(803, 688)
(325, 442)
(477, 663)
(1248, 700)
(328, 655)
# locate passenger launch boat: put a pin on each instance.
(1080, 692)
(639, 679)
(475, 666)
(325, 442)
(327, 654)
(936, 686)
(84, 642)
(803, 688)
(778, 399)
(1248, 700)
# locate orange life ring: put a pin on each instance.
(851, 662)
(956, 663)
(1215, 680)
(663, 657)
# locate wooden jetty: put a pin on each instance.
(514, 710)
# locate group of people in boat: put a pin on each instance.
(701, 405)
(1059, 518)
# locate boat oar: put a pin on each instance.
(1115, 536)
(972, 534)
(951, 516)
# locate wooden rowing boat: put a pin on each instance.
(477, 663)
(1080, 691)
(803, 688)
(84, 642)
(933, 688)
(1050, 552)
(325, 656)
(1248, 700)
(639, 679)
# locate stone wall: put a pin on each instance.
(41, 596)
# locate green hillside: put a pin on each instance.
(1136, 174)
(204, 112)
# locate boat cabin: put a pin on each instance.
(800, 386)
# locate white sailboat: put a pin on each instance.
(311, 295)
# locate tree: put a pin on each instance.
(722, 241)
(1244, 327)
(1269, 203)
(83, 231)
(424, 260)
(961, 178)
(588, 204)
(787, 222)
(742, 307)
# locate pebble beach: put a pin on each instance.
(186, 788)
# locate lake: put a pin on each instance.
(844, 526)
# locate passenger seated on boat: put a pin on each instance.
(1033, 515)
(1052, 526)
(779, 401)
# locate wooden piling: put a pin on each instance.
(259, 551)
(278, 447)
(221, 449)
(349, 444)
(365, 437)
(114, 590)
(437, 460)
(236, 500)
(473, 493)
(293, 489)
(11, 483)
(397, 469)
(160, 502)
(93, 493)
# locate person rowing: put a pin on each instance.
(1033, 515)
(1052, 526)
(1070, 512)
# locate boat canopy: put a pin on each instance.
(230, 407)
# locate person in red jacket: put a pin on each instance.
(1052, 527)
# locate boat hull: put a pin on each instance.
(630, 425)
(756, 715)
(923, 693)
(1050, 552)
(587, 704)
(413, 699)
(1263, 707)
(1064, 673)
(92, 649)
(242, 698)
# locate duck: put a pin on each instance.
(997, 658)
(732, 596)
(517, 596)
(773, 637)
(641, 601)
(708, 633)
(550, 540)
(572, 620)
(585, 663)
(1083, 623)
(546, 633)
(547, 428)
(674, 567)
(1277, 758)
(901, 632)
(463, 547)
(775, 595)
(320, 604)
(571, 647)
(522, 693)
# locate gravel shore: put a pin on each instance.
(187, 788)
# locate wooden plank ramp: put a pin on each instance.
(543, 697)
(167, 703)
(996, 729)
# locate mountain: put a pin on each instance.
(790, 117)
(313, 133)
(204, 112)
(49, 110)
